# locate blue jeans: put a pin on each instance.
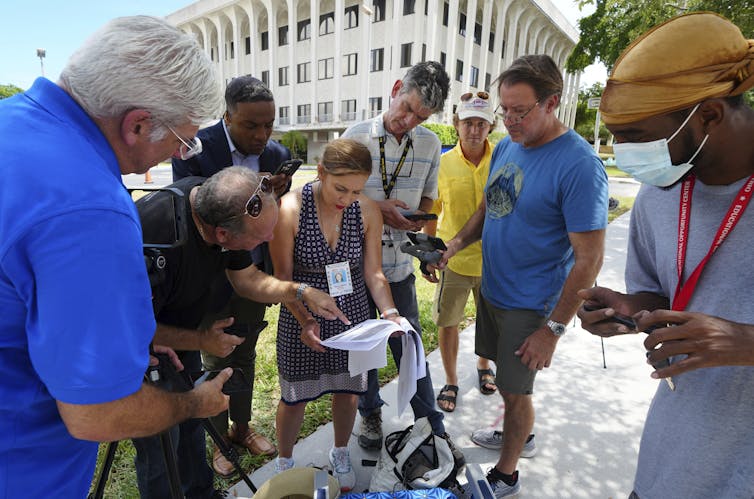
(423, 402)
(189, 445)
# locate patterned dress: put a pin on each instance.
(303, 373)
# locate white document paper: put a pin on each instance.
(367, 349)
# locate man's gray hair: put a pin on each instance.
(143, 62)
(431, 82)
(221, 200)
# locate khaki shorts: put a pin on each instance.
(451, 295)
(499, 333)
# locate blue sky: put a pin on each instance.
(60, 27)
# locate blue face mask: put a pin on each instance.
(650, 163)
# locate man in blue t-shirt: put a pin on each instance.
(542, 226)
(77, 319)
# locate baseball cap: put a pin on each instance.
(475, 105)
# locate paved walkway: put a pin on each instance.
(588, 417)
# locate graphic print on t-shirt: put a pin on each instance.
(503, 188)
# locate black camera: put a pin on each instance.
(424, 247)
(170, 203)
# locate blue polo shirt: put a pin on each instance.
(76, 316)
(534, 198)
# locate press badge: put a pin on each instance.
(339, 278)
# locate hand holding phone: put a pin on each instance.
(288, 167)
(420, 216)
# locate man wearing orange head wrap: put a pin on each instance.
(675, 107)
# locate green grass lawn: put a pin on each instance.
(122, 482)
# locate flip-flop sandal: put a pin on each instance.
(486, 378)
(448, 398)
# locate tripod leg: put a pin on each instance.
(171, 465)
(228, 451)
(107, 464)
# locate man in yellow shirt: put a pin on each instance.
(463, 175)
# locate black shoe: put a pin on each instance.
(458, 457)
(219, 494)
(370, 432)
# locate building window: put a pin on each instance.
(232, 50)
(478, 34)
(266, 78)
(462, 24)
(379, 10)
(377, 60)
(283, 76)
(424, 52)
(325, 68)
(248, 45)
(375, 106)
(304, 30)
(491, 46)
(445, 13)
(502, 51)
(324, 112)
(459, 70)
(326, 23)
(408, 7)
(282, 36)
(426, 7)
(487, 81)
(406, 55)
(212, 53)
(304, 113)
(350, 63)
(303, 72)
(265, 40)
(284, 117)
(443, 60)
(348, 110)
(352, 17)
(474, 77)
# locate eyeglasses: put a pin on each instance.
(254, 204)
(188, 149)
(468, 95)
(512, 118)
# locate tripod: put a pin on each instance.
(165, 375)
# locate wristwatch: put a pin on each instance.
(557, 328)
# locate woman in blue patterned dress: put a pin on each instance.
(326, 230)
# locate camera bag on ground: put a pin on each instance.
(415, 458)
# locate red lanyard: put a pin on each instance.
(683, 291)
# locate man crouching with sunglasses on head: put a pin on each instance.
(227, 215)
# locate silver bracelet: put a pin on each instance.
(390, 311)
(300, 291)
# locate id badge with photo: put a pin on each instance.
(339, 279)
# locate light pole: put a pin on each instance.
(41, 54)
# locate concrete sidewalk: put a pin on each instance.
(588, 417)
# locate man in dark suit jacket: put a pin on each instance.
(240, 138)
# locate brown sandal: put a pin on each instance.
(486, 378)
(450, 399)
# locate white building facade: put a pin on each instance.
(332, 63)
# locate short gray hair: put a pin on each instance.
(142, 62)
(430, 81)
(222, 197)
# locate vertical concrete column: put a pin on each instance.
(237, 48)
(313, 59)
(338, 59)
(434, 9)
(484, 51)
(365, 22)
(272, 23)
(512, 28)
(292, 42)
(468, 49)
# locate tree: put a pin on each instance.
(446, 133)
(616, 23)
(584, 121)
(295, 142)
(9, 90)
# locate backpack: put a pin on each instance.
(415, 458)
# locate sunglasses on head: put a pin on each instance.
(469, 95)
(254, 204)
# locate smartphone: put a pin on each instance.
(288, 167)
(420, 216)
(247, 332)
(623, 319)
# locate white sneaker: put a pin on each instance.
(283, 463)
(340, 462)
(489, 438)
